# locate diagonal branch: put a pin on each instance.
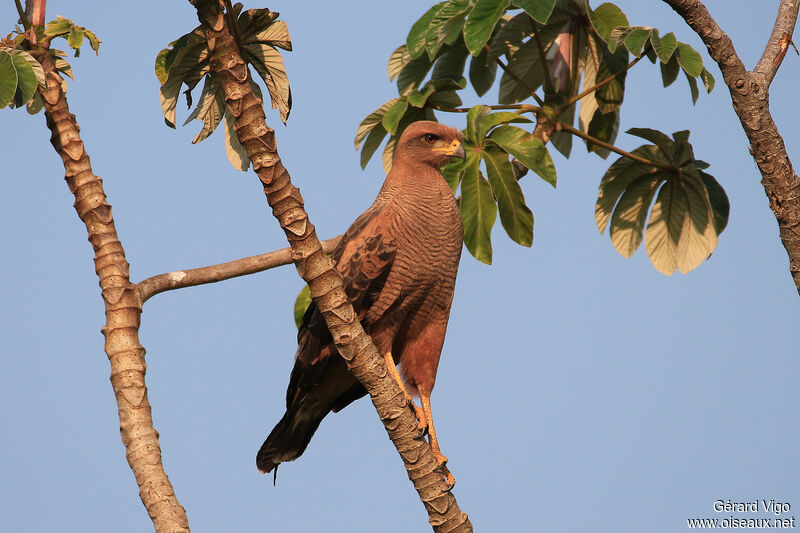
(585, 136)
(180, 279)
(779, 41)
(122, 307)
(516, 78)
(324, 281)
(750, 96)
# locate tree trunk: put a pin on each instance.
(324, 282)
(123, 311)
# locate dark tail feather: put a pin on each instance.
(288, 439)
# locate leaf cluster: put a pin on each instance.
(570, 59)
(186, 61)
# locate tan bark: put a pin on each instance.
(123, 310)
(179, 279)
(750, 94)
(325, 284)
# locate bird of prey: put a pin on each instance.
(398, 262)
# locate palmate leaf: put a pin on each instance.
(210, 108)
(397, 61)
(74, 34)
(689, 212)
(20, 76)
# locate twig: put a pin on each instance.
(548, 82)
(24, 18)
(602, 83)
(180, 279)
(598, 142)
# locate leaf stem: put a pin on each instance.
(602, 83)
(566, 127)
(522, 108)
(25, 22)
(516, 78)
(548, 82)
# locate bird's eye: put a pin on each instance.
(430, 138)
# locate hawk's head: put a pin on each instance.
(430, 143)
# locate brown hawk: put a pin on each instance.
(398, 261)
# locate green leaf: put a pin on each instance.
(8, 79)
(720, 204)
(669, 71)
(630, 214)
(75, 38)
(617, 178)
(418, 33)
(161, 65)
(412, 74)
(693, 87)
(38, 71)
(605, 18)
(397, 61)
(478, 210)
(374, 140)
(275, 34)
(301, 303)
(268, 62)
(448, 20)
(690, 60)
(515, 216)
(527, 149)
(665, 226)
(184, 61)
(662, 140)
(35, 105)
(451, 62)
(94, 42)
(635, 40)
(487, 122)
(210, 109)
(473, 115)
(26, 80)
(58, 26)
(481, 22)
(392, 117)
(603, 126)
(452, 173)
(561, 140)
(237, 154)
(373, 119)
(482, 73)
(663, 46)
(540, 10)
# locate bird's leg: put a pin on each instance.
(441, 460)
(392, 368)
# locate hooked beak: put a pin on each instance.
(455, 150)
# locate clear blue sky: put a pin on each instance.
(578, 391)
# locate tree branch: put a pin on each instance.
(779, 41)
(522, 108)
(324, 281)
(750, 96)
(566, 127)
(122, 308)
(180, 279)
